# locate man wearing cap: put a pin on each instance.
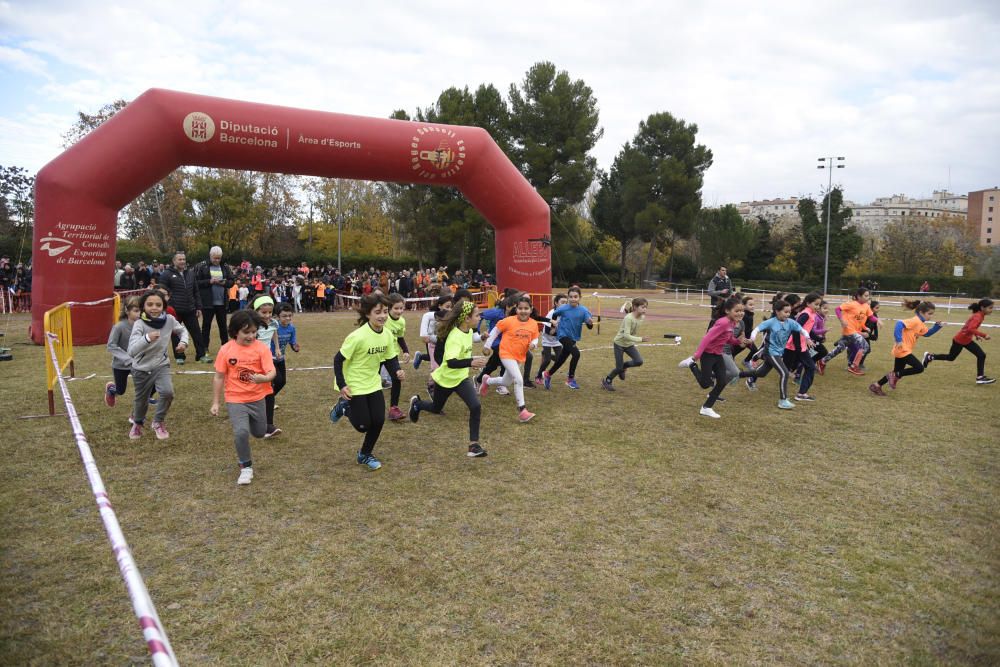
(214, 280)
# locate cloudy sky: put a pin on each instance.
(907, 90)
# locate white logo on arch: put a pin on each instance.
(199, 126)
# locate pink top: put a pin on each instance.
(720, 335)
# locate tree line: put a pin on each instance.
(640, 219)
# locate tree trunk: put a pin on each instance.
(648, 271)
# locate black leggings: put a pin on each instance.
(276, 385)
(218, 313)
(568, 350)
(775, 361)
(956, 349)
(121, 379)
(467, 392)
(713, 366)
(492, 364)
(903, 366)
(367, 416)
(548, 354)
(397, 386)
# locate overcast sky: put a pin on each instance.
(907, 90)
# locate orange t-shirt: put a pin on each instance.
(913, 328)
(517, 336)
(239, 362)
(855, 314)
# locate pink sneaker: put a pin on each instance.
(525, 416)
(109, 394)
(160, 430)
(135, 432)
(484, 386)
(395, 414)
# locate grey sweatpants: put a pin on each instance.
(247, 419)
(145, 383)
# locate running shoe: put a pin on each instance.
(709, 412)
(484, 386)
(821, 367)
(928, 358)
(805, 397)
(606, 384)
(982, 379)
(246, 476)
(502, 390)
(475, 451)
(786, 404)
(160, 430)
(876, 389)
(571, 383)
(547, 379)
(539, 382)
(686, 363)
(528, 385)
(893, 380)
(751, 384)
(414, 410)
(854, 370)
(525, 416)
(369, 460)
(395, 414)
(135, 432)
(109, 394)
(272, 431)
(338, 410)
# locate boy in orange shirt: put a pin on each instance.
(245, 367)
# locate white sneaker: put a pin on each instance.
(709, 412)
(686, 363)
(502, 390)
(246, 476)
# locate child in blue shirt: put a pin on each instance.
(572, 316)
(779, 329)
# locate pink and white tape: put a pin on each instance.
(156, 638)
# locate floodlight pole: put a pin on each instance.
(828, 163)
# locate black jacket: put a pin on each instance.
(203, 277)
(182, 289)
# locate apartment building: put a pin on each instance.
(872, 218)
(984, 205)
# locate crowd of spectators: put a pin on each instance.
(15, 285)
(320, 288)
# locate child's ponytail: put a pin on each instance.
(980, 305)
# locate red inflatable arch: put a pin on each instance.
(78, 194)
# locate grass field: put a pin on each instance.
(613, 529)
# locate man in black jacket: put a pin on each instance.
(720, 287)
(214, 280)
(180, 284)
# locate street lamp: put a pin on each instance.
(829, 163)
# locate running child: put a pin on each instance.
(428, 329)
(452, 376)
(709, 351)
(853, 315)
(396, 324)
(356, 368)
(778, 329)
(551, 347)
(797, 356)
(286, 336)
(906, 333)
(121, 362)
(490, 317)
(244, 368)
(267, 333)
(517, 335)
(748, 316)
(147, 345)
(572, 316)
(963, 340)
(625, 343)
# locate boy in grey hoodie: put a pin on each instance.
(147, 346)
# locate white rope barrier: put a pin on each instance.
(156, 638)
